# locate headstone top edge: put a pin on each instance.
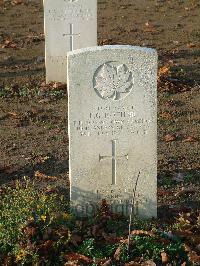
(112, 47)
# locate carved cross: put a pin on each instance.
(72, 35)
(114, 159)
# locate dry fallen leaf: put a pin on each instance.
(187, 8)
(117, 253)
(12, 114)
(184, 264)
(191, 45)
(164, 257)
(59, 85)
(9, 44)
(166, 115)
(45, 247)
(132, 263)
(164, 70)
(77, 257)
(163, 193)
(148, 263)
(169, 138)
(142, 232)
(189, 139)
(185, 191)
(40, 175)
(194, 258)
(17, 2)
(75, 239)
(107, 263)
(149, 27)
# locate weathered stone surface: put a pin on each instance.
(69, 25)
(113, 128)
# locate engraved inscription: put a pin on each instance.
(117, 195)
(73, 12)
(112, 121)
(61, 60)
(113, 81)
(114, 158)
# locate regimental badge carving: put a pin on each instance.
(113, 81)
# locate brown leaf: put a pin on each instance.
(106, 41)
(185, 191)
(194, 258)
(184, 264)
(163, 193)
(124, 241)
(150, 29)
(163, 71)
(94, 229)
(29, 231)
(142, 232)
(189, 139)
(75, 239)
(179, 209)
(12, 114)
(44, 249)
(110, 238)
(117, 253)
(148, 263)
(191, 45)
(105, 210)
(40, 175)
(17, 2)
(77, 257)
(187, 248)
(166, 115)
(9, 44)
(132, 263)
(107, 263)
(164, 257)
(169, 138)
(70, 264)
(59, 85)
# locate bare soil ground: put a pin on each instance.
(33, 117)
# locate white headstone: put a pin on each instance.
(69, 25)
(113, 128)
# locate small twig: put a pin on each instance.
(132, 212)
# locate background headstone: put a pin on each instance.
(69, 25)
(113, 128)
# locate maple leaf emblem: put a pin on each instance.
(113, 82)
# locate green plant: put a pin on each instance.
(36, 228)
(26, 216)
(167, 181)
(5, 91)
